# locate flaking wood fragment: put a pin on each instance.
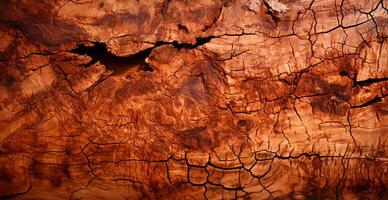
(277, 6)
(169, 99)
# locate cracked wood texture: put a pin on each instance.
(232, 99)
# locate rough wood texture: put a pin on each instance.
(251, 99)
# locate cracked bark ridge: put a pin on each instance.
(232, 99)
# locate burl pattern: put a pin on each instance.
(171, 99)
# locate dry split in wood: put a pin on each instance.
(231, 99)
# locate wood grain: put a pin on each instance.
(231, 99)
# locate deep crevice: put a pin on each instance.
(370, 102)
(370, 81)
(179, 46)
(118, 64)
(122, 64)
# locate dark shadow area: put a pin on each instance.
(371, 102)
(117, 64)
(120, 65)
(271, 12)
(344, 73)
(179, 46)
(370, 81)
(242, 122)
(183, 28)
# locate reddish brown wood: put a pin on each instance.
(232, 99)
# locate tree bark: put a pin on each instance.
(229, 99)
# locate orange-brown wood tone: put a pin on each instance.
(207, 99)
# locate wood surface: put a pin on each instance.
(205, 99)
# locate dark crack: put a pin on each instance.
(15, 195)
(121, 64)
(370, 102)
(370, 81)
(118, 64)
(142, 150)
(199, 42)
